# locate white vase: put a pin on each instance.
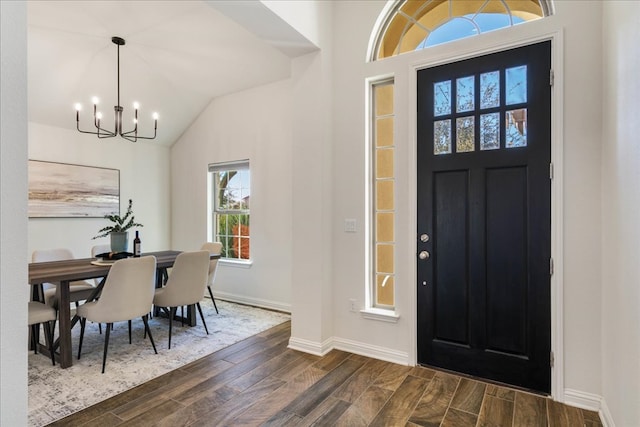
(119, 241)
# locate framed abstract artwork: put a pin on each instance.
(61, 190)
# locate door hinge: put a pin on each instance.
(550, 170)
(552, 359)
(550, 266)
(551, 77)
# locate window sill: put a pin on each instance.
(234, 263)
(380, 315)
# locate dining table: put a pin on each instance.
(62, 273)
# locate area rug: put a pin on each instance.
(55, 393)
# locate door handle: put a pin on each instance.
(423, 255)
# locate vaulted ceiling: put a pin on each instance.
(178, 56)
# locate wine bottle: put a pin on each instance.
(137, 245)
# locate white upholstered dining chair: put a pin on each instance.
(41, 313)
(95, 251)
(185, 285)
(126, 295)
(78, 291)
(213, 248)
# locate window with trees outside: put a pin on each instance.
(230, 200)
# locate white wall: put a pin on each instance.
(13, 219)
(621, 213)
(582, 121)
(353, 23)
(577, 24)
(144, 178)
(301, 15)
(312, 323)
(254, 124)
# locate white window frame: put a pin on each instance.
(214, 211)
(371, 310)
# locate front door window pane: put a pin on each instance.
(442, 137)
(516, 124)
(442, 98)
(516, 85)
(465, 134)
(490, 90)
(490, 131)
(465, 94)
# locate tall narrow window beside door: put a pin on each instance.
(383, 206)
(230, 199)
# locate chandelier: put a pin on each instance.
(131, 135)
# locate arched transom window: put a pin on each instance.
(416, 24)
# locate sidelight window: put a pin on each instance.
(382, 288)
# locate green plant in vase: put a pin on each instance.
(118, 230)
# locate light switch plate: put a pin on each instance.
(350, 225)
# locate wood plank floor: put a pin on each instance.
(259, 382)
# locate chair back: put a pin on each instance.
(128, 291)
(46, 255)
(100, 249)
(188, 279)
(213, 248)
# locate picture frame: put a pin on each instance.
(64, 190)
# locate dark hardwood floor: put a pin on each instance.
(259, 382)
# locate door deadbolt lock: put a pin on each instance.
(423, 255)
(424, 238)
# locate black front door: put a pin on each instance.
(484, 216)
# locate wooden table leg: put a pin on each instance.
(64, 322)
(161, 279)
(34, 333)
(191, 315)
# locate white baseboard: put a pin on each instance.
(373, 351)
(581, 399)
(591, 402)
(320, 349)
(311, 347)
(256, 302)
(605, 415)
